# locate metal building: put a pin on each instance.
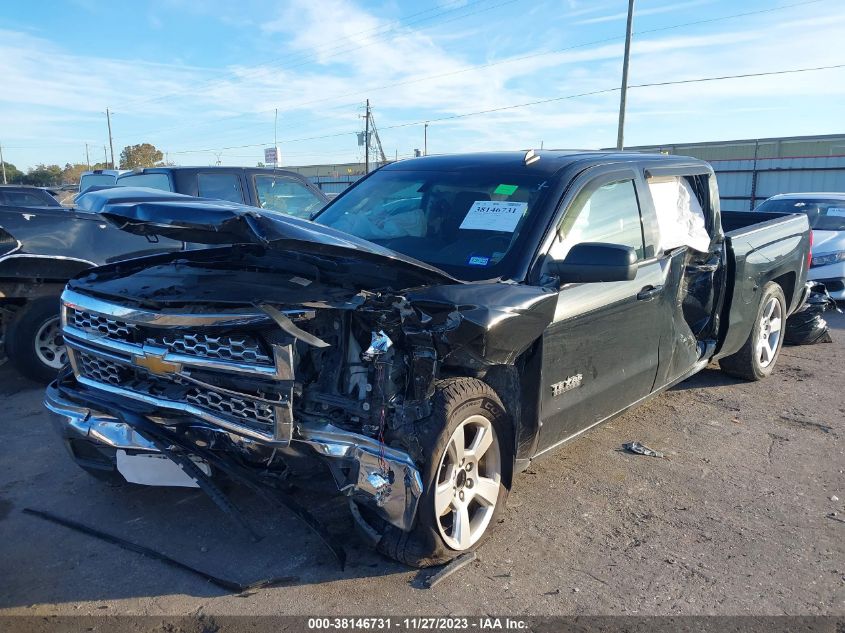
(751, 170)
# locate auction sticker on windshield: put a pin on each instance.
(494, 215)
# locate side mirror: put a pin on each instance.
(590, 262)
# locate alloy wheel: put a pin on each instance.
(771, 324)
(469, 480)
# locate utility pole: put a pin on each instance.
(111, 143)
(620, 136)
(3, 164)
(425, 139)
(367, 140)
(105, 156)
(87, 160)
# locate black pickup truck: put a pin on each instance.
(43, 244)
(439, 325)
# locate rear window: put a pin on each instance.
(95, 180)
(152, 181)
(824, 214)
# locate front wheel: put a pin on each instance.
(756, 360)
(467, 442)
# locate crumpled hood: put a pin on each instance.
(145, 211)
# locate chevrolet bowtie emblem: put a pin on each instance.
(155, 364)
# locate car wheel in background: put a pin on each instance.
(34, 344)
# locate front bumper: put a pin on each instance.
(381, 477)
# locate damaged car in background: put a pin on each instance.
(435, 328)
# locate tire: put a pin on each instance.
(436, 538)
(757, 358)
(33, 340)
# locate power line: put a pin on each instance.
(477, 67)
(533, 103)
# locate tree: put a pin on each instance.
(13, 174)
(43, 176)
(143, 155)
(72, 172)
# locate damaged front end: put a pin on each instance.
(266, 386)
(297, 348)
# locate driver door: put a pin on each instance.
(600, 353)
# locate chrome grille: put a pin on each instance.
(248, 410)
(116, 347)
(98, 369)
(98, 324)
(236, 348)
(251, 412)
(240, 348)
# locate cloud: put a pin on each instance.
(638, 13)
(330, 56)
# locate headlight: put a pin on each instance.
(825, 259)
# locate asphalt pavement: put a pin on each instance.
(744, 515)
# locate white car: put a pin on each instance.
(827, 219)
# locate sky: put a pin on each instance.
(202, 81)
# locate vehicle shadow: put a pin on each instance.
(709, 377)
(183, 525)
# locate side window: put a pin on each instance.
(220, 186)
(286, 196)
(609, 214)
(680, 216)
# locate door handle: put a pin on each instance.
(649, 292)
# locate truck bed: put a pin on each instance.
(761, 247)
(733, 222)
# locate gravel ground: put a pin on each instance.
(741, 518)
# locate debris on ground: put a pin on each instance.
(450, 568)
(834, 498)
(641, 449)
(806, 325)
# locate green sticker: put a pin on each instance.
(505, 190)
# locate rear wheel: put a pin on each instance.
(467, 474)
(34, 343)
(756, 360)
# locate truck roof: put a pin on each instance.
(540, 160)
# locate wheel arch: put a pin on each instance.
(518, 387)
(787, 284)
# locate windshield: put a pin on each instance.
(153, 181)
(824, 214)
(464, 223)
